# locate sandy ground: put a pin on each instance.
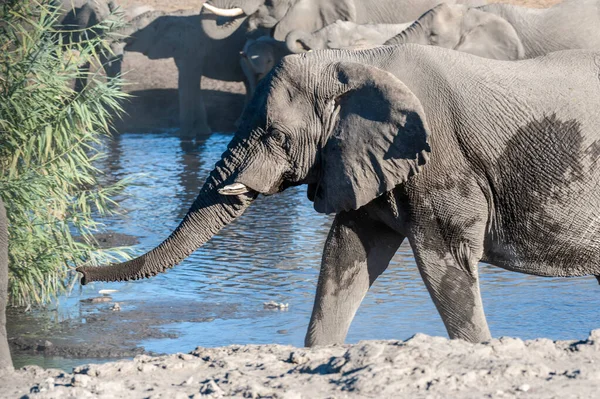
(421, 367)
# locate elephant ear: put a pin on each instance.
(311, 15)
(488, 35)
(378, 138)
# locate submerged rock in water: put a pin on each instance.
(275, 306)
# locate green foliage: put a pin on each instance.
(50, 139)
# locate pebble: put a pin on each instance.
(524, 388)
(275, 305)
(210, 387)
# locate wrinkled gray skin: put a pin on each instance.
(261, 55)
(285, 16)
(179, 35)
(470, 159)
(79, 15)
(507, 32)
(343, 34)
(5, 359)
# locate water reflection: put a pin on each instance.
(273, 252)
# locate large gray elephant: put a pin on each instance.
(504, 31)
(284, 16)
(470, 159)
(5, 359)
(179, 35)
(82, 20)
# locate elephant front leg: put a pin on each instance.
(450, 272)
(192, 113)
(358, 249)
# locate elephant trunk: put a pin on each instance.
(220, 21)
(300, 41)
(210, 212)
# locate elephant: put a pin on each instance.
(343, 34)
(470, 159)
(5, 359)
(179, 35)
(284, 16)
(77, 21)
(508, 32)
(260, 55)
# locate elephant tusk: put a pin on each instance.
(234, 189)
(232, 12)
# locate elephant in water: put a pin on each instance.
(284, 16)
(507, 32)
(179, 35)
(468, 158)
(5, 359)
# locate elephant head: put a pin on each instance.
(222, 17)
(465, 29)
(342, 34)
(158, 34)
(348, 130)
(259, 56)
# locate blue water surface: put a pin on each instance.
(273, 252)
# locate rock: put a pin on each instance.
(211, 388)
(81, 380)
(99, 299)
(275, 306)
(297, 358)
(116, 307)
(524, 388)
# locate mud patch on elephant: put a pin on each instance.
(539, 171)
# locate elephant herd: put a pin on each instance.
(490, 153)
(243, 40)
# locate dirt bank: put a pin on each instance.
(422, 366)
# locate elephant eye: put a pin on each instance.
(280, 139)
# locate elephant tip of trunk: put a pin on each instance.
(84, 277)
(113, 273)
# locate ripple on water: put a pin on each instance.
(273, 252)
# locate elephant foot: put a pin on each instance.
(193, 133)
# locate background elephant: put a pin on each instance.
(342, 34)
(179, 35)
(260, 56)
(79, 20)
(284, 16)
(504, 31)
(5, 359)
(468, 158)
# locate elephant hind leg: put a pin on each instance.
(598, 278)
